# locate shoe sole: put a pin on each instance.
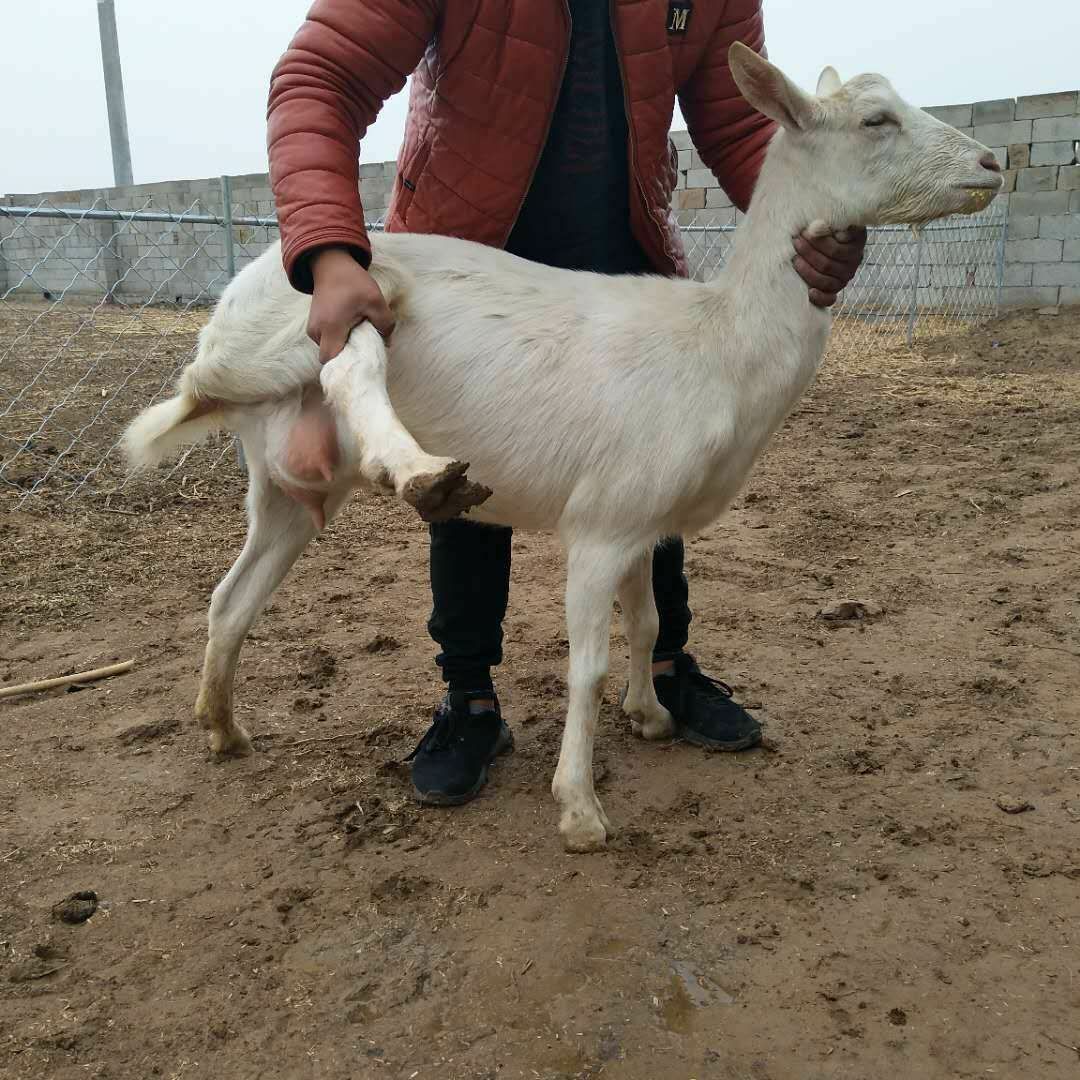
(503, 745)
(695, 737)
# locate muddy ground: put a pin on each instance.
(890, 887)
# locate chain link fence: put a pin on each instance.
(100, 308)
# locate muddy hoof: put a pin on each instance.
(444, 495)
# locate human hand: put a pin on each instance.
(345, 295)
(827, 263)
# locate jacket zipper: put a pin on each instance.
(550, 121)
(631, 146)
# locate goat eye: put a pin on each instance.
(876, 121)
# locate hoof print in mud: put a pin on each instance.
(444, 495)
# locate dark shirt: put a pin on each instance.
(576, 214)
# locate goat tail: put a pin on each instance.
(159, 431)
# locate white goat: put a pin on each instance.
(613, 410)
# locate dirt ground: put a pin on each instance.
(890, 887)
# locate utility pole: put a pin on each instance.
(114, 93)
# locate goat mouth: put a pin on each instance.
(981, 185)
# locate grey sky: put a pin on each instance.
(196, 73)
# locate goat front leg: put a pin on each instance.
(278, 531)
(649, 719)
(355, 387)
(593, 573)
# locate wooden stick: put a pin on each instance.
(67, 680)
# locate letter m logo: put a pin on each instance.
(678, 16)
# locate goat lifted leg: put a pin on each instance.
(355, 387)
(593, 572)
(649, 719)
(278, 531)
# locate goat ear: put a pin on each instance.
(769, 90)
(828, 83)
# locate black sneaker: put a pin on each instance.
(703, 709)
(450, 765)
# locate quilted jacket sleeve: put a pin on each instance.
(344, 62)
(731, 136)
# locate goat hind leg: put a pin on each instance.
(649, 719)
(355, 386)
(278, 531)
(593, 573)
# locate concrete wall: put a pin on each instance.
(1037, 138)
(148, 259)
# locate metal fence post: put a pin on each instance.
(230, 272)
(1000, 261)
(227, 225)
(913, 310)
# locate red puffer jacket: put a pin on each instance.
(487, 75)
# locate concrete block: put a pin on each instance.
(1019, 296)
(1009, 176)
(1074, 202)
(958, 276)
(1004, 134)
(1060, 227)
(1044, 179)
(717, 197)
(681, 139)
(680, 183)
(934, 253)
(1069, 178)
(959, 116)
(1063, 273)
(1071, 256)
(695, 160)
(719, 216)
(1039, 105)
(701, 178)
(1042, 203)
(1057, 129)
(1019, 156)
(1033, 251)
(371, 169)
(1053, 153)
(994, 112)
(1022, 228)
(684, 160)
(1017, 274)
(693, 199)
(1069, 295)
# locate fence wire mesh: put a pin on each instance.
(101, 305)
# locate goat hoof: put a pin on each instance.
(232, 741)
(584, 831)
(444, 495)
(584, 835)
(653, 728)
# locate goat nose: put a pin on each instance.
(989, 162)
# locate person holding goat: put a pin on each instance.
(541, 128)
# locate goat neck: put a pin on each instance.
(786, 201)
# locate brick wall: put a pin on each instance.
(157, 260)
(1037, 138)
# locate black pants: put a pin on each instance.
(470, 583)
